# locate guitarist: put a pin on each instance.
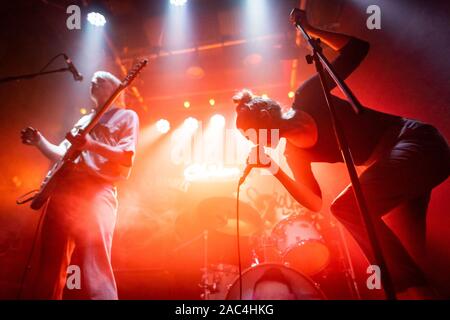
(80, 216)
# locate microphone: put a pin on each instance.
(76, 75)
(247, 170)
(250, 166)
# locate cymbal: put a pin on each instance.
(219, 214)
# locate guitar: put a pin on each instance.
(57, 171)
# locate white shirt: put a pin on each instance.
(117, 127)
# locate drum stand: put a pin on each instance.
(323, 65)
(205, 285)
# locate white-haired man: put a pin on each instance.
(80, 216)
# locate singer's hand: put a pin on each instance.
(258, 158)
(299, 17)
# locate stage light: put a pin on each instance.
(265, 96)
(291, 94)
(96, 19)
(178, 3)
(163, 126)
(187, 104)
(83, 111)
(190, 124)
(212, 102)
(217, 121)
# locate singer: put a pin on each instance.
(405, 158)
(81, 214)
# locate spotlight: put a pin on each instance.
(212, 102)
(190, 124)
(291, 94)
(218, 121)
(264, 96)
(178, 3)
(163, 126)
(96, 19)
(187, 104)
(83, 111)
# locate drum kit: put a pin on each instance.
(293, 246)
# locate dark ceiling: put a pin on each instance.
(36, 30)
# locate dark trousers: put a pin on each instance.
(79, 222)
(403, 175)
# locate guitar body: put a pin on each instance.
(60, 168)
(48, 185)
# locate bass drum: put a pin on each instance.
(302, 287)
(301, 245)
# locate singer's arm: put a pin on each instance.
(352, 52)
(336, 41)
(304, 187)
(303, 193)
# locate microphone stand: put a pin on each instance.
(32, 75)
(321, 63)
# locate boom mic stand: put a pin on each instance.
(321, 63)
(42, 72)
(32, 75)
